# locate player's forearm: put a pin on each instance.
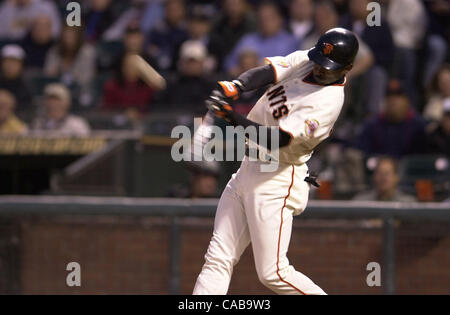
(257, 77)
(262, 132)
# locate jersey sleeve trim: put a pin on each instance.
(269, 62)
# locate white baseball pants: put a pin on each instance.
(257, 207)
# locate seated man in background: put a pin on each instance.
(132, 14)
(301, 20)
(166, 36)
(12, 75)
(385, 180)
(397, 131)
(203, 183)
(271, 39)
(9, 123)
(56, 117)
(190, 89)
(16, 17)
(37, 43)
(438, 135)
(235, 21)
(380, 42)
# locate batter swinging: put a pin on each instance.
(304, 100)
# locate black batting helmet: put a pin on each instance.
(335, 49)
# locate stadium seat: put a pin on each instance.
(421, 170)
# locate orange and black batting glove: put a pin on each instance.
(230, 89)
(219, 106)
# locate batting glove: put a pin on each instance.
(230, 90)
(219, 106)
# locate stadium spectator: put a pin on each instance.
(438, 34)
(408, 30)
(17, 16)
(325, 17)
(199, 28)
(235, 21)
(397, 131)
(98, 18)
(341, 6)
(133, 14)
(385, 180)
(133, 39)
(167, 35)
(270, 40)
(192, 87)
(438, 136)
(12, 75)
(433, 109)
(152, 14)
(125, 90)
(248, 59)
(301, 18)
(363, 62)
(37, 43)
(203, 183)
(354, 109)
(71, 59)
(56, 117)
(132, 42)
(199, 25)
(9, 123)
(379, 40)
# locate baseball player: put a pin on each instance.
(303, 101)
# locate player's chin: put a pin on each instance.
(320, 78)
(324, 79)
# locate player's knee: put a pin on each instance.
(219, 263)
(269, 279)
(273, 277)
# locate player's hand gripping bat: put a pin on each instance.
(220, 107)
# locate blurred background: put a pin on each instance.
(85, 145)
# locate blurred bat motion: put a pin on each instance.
(148, 74)
(194, 159)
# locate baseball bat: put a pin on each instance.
(194, 155)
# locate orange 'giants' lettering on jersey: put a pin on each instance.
(278, 102)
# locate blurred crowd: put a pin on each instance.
(60, 78)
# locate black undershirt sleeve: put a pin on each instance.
(257, 77)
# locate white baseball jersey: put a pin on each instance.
(307, 111)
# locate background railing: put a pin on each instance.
(156, 245)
